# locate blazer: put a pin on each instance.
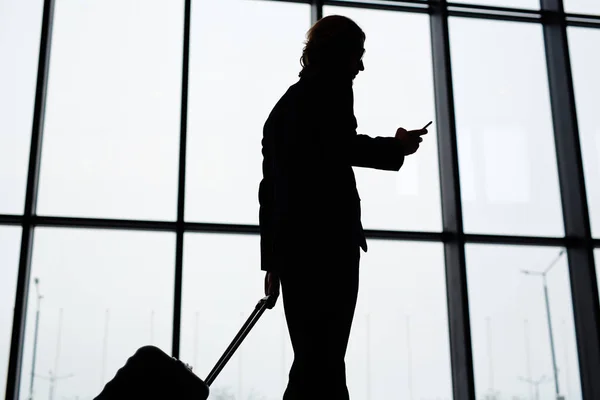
(308, 196)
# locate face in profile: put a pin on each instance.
(357, 64)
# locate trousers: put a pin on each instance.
(319, 300)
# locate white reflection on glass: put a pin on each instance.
(508, 181)
(503, 111)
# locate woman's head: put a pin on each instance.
(334, 43)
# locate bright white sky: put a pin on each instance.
(111, 147)
(572, 6)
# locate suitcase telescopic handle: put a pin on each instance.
(259, 309)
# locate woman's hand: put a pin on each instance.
(272, 288)
(410, 139)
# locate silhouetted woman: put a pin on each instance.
(310, 226)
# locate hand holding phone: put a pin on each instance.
(422, 131)
(411, 139)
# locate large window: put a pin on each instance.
(111, 135)
(19, 44)
(504, 127)
(518, 297)
(104, 294)
(107, 250)
(243, 57)
(10, 238)
(396, 90)
(585, 61)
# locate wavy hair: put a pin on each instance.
(331, 42)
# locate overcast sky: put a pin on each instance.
(111, 140)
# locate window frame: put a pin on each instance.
(577, 239)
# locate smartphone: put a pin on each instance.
(429, 123)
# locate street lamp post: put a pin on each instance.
(368, 355)
(543, 275)
(535, 384)
(52, 377)
(488, 321)
(409, 358)
(35, 335)
(528, 357)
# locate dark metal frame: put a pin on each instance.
(577, 240)
(580, 254)
(463, 381)
(179, 227)
(18, 329)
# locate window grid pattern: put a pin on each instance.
(577, 240)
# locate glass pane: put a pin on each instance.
(512, 350)
(243, 57)
(396, 89)
(20, 26)
(105, 294)
(111, 139)
(400, 326)
(405, 315)
(222, 282)
(584, 48)
(582, 6)
(507, 158)
(526, 4)
(10, 242)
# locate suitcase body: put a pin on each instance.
(152, 374)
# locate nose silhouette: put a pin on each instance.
(361, 66)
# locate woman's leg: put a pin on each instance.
(340, 324)
(319, 303)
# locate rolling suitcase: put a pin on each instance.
(151, 374)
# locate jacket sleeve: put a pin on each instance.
(267, 262)
(383, 153)
(266, 197)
